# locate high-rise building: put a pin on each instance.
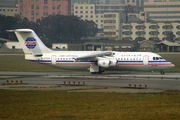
(96, 12)
(9, 3)
(9, 7)
(35, 9)
(87, 2)
(162, 10)
(117, 2)
(150, 30)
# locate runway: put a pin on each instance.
(169, 81)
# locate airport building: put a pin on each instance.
(35, 9)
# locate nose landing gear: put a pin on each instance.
(162, 72)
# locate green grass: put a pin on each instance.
(18, 63)
(45, 105)
(175, 59)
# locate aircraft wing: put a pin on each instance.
(94, 56)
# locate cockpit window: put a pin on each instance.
(157, 58)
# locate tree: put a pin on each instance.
(171, 37)
(61, 28)
(7, 23)
(140, 38)
(91, 28)
(50, 29)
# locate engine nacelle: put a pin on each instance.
(105, 63)
(113, 62)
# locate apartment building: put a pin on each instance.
(162, 10)
(150, 30)
(112, 25)
(96, 12)
(9, 11)
(87, 12)
(73, 2)
(139, 5)
(35, 9)
(9, 7)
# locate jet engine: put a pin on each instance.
(105, 63)
(113, 62)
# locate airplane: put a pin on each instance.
(94, 61)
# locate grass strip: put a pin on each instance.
(37, 105)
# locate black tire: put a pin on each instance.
(162, 73)
(99, 72)
(93, 72)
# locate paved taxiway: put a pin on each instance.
(169, 81)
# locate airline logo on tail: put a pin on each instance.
(30, 43)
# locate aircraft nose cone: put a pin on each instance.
(171, 66)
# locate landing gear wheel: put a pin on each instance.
(93, 72)
(99, 72)
(162, 73)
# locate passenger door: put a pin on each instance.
(145, 59)
(53, 59)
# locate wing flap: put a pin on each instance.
(94, 56)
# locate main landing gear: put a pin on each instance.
(162, 72)
(96, 72)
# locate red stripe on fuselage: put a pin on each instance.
(160, 64)
(75, 63)
(130, 63)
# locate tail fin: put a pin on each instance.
(30, 42)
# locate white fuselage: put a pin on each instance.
(127, 61)
(94, 61)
